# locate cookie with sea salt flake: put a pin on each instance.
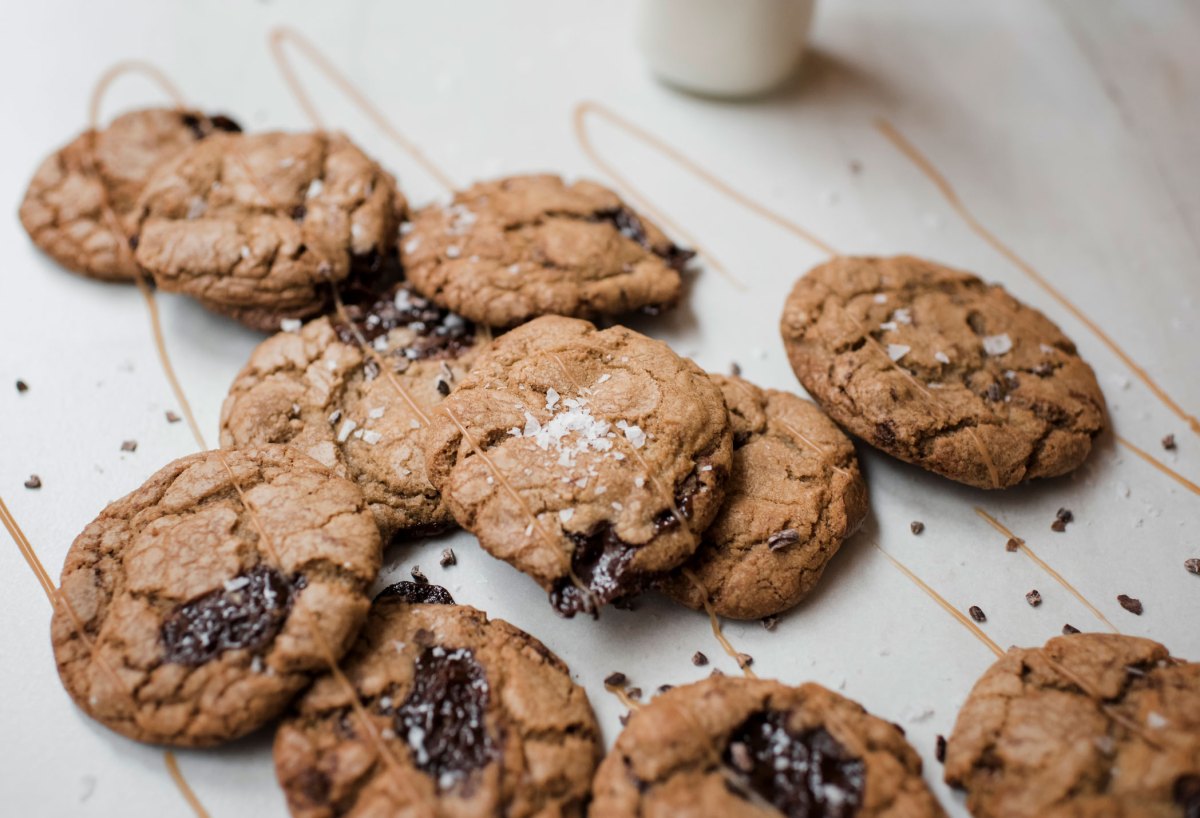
(318, 390)
(190, 608)
(589, 459)
(508, 250)
(456, 715)
(940, 369)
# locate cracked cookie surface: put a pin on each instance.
(258, 226)
(80, 206)
(572, 453)
(509, 250)
(180, 624)
(940, 369)
(729, 747)
(794, 494)
(464, 716)
(317, 390)
(1088, 725)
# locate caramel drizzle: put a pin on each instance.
(623, 696)
(1024, 548)
(284, 34)
(1161, 466)
(944, 187)
(59, 602)
(940, 600)
(323, 645)
(821, 451)
(1104, 707)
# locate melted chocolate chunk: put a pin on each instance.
(245, 615)
(1186, 793)
(440, 333)
(204, 126)
(417, 593)
(804, 775)
(443, 717)
(601, 561)
(630, 226)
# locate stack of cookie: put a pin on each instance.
(234, 584)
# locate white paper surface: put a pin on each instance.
(1002, 99)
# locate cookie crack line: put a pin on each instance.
(59, 602)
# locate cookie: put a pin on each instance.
(258, 226)
(197, 606)
(937, 368)
(80, 206)
(509, 250)
(794, 494)
(589, 459)
(441, 712)
(728, 747)
(317, 390)
(1088, 725)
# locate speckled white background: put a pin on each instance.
(1070, 129)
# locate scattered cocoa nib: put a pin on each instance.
(940, 751)
(1014, 544)
(34, 482)
(1061, 518)
(916, 526)
(1192, 565)
(634, 693)
(735, 369)
(770, 622)
(664, 688)
(129, 446)
(1134, 606)
(1069, 629)
(615, 679)
(1168, 442)
(716, 671)
(781, 539)
(1033, 598)
(977, 613)
(448, 557)
(699, 659)
(22, 386)
(418, 576)
(744, 660)
(624, 719)
(172, 417)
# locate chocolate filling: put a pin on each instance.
(417, 593)
(244, 615)
(440, 334)
(630, 226)
(1187, 795)
(602, 562)
(202, 126)
(803, 775)
(443, 718)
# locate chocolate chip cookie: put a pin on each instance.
(259, 226)
(937, 368)
(728, 747)
(80, 206)
(512, 249)
(363, 413)
(589, 459)
(193, 609)
(441, 712)
(1088, 725)
(794, 494)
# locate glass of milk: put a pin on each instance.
(729, 48)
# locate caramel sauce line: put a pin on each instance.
(283, 34)
(185, 789)
(816, 447)
(623, 697)
(1024, 548)
(323, 645)
(943, 185)
(1158, 464)
(940, 600)
(1103, 706)
(164, 359)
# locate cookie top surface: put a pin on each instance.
(257, 226)
(940, 369)
(794, 493)
(319, 391)
(80, 206)
(202, 602)
(512, 249)
(456, 715)
(572, 453)
(1088, 725)
(735, 747)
